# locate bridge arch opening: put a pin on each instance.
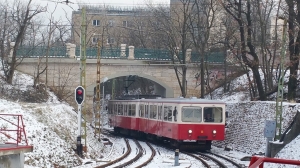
(144, 84)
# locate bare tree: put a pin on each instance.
(54, 37)
(17, 19)
(228, 33)
(201, 22)
(46, 36)
(293, 11)
(174, 25)
(253, 18)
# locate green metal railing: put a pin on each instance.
(41, 51)
(213, 57)
(115, 53)
(105, 53)
(151, 54)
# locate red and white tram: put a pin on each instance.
(182, 121)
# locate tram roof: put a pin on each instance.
(175, 100)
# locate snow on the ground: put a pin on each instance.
(51, 128)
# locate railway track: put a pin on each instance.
(198, 158)
(125, 159)
(212, 160)
(233, 163)
(153, 153)
(118, 159)
(209, 160)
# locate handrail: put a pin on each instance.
(257, 161)
(15, 130)
(115, 53)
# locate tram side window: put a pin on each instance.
(146, 111)
(213, 114)
(131, 110)
(153, 111)
(125, 110)
(120, 109)
(142, 110)
(168, 113)
(160, 112)
(134, 109)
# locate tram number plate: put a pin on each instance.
(202, 137)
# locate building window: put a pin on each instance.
(110, 40)
(95, 40)
(140, 27)
(96, 22)
(124, 23)
(110, 23)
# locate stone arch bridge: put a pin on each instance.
(64, 72)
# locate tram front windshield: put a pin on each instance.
(191, 114)
(194, 114)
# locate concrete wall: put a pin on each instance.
(291, 135)
(12, 161)
(245, 132)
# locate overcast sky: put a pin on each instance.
(59, 12)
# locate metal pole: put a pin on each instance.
(176, 157)
(268, 152)
(79, 120)
(79, 145)
(279, 98)
(97, 109)
(83, 70)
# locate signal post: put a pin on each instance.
(79, 98)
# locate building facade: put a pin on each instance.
(113, 26)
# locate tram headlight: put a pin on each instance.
(214, 131)
(190, 131)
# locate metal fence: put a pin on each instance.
(109, 53)
(115, 53)
(213, 57)
(151, 54)
(41, 51)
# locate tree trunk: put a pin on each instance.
(183, 89)
(259, 84)
(202, 73)
(293, 49)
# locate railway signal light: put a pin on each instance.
(79, 95)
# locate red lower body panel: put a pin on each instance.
(172, 130)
